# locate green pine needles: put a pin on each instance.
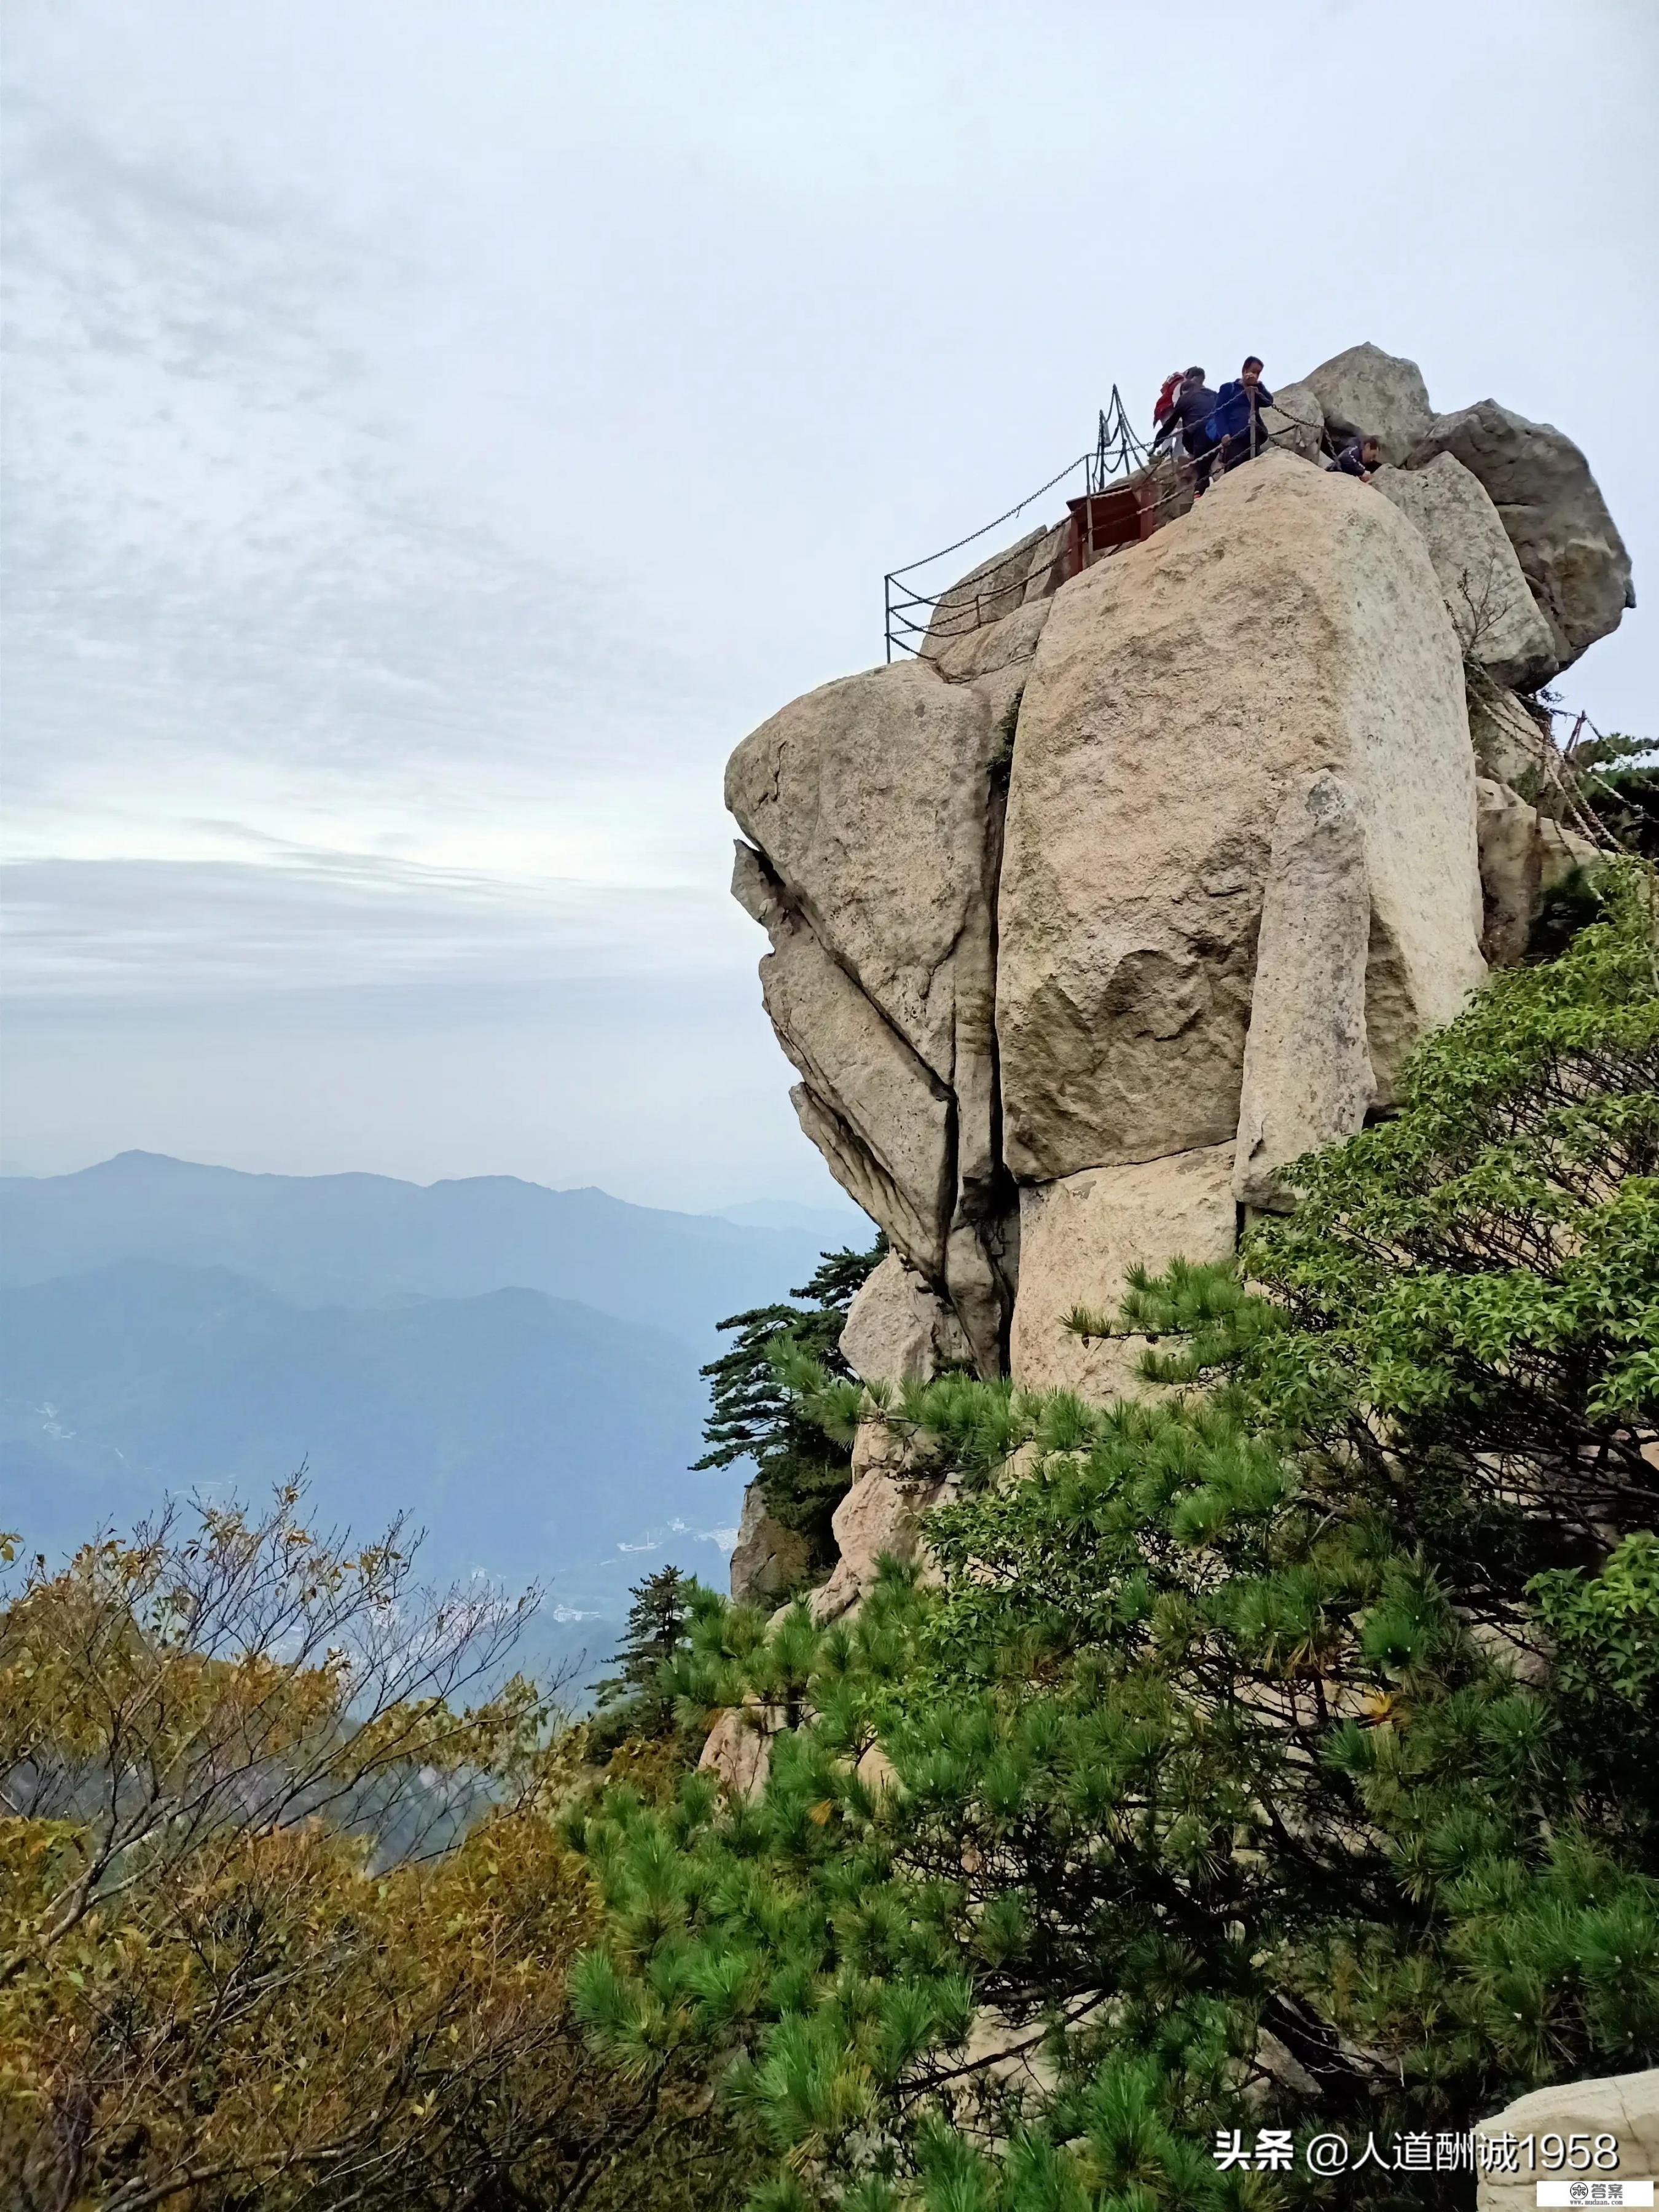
(756, 1409)
(1282, 1750)
(633, 1702)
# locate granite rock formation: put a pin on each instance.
(1623, 2105)
(1365, 392)
(768, 1559)
(1293, 621)
(1139, 882)
(901, 1331)
(1296, 421)
(1498, 622)
(1567, 543)
(1081, 1236)
(875, 828)
(1308, 1073)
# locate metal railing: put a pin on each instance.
(1120, 456)
(903, 604)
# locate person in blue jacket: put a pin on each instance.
(1236, 423)
(1361, 457)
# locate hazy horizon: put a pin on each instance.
(834, 1209)
(433, 437)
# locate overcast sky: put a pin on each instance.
(436, 431)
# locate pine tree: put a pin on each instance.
(656, 1630)
(1282, 1751)
(754, 1414)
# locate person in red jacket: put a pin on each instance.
(1193, 406)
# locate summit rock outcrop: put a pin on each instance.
(1144, 876)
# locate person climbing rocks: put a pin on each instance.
(1189, 414)
(1237, 424)
(1360, 457)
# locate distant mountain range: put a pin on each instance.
(354, 1239)
(514, 1367)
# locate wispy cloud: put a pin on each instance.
(306, 919)
(213, 547)
(296, 739)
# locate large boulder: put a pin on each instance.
(899, 1330)
(1365, 392)
(996, 660)
(991, 590)
(1568, 545)
(1079, 1239)
(1293, 621)
(874, 804)
(1308, 1076)
(994, 645)
(1623, 2105)
(869, 799)
(1511, 739)
(1493, 609)
(738, 1750)
(1296, 421)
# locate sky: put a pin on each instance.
(436, 431)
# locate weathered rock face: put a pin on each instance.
(1079, 1238)
(994, 646)
(738, 1749)
(868, 799)
(767, 1559)
(1291, 621)
(1297, 421)
(1492, 608)
(1511, 871)
(994, 658)
(1365, 392)
(995, 588)
(898, 1330)
(1508, 737)
(1308, 1076)
(1568, 545)
(870, 1104)
(880, 1517)
(1623, 2105)
(874, 810)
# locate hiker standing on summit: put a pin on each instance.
(1190, 413)
(1236, 423)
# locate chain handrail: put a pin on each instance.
(1119, 454)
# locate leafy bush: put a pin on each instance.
(282, 1923)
